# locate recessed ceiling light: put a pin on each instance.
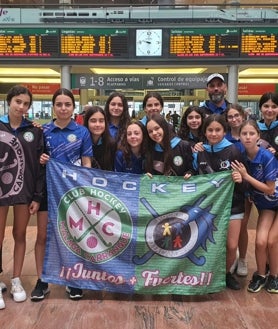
(161, 70)
(27, 72)
(265, 72)
(29, 80)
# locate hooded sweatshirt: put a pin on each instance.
(21, 175)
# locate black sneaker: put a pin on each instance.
(231, 282)
(74, 293)
(257, 283)
(272, 284)
(41, 289)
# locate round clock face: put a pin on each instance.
(149, 42)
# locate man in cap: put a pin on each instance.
(217, 88)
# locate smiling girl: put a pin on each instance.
(235, 116)
(152, 103)
(261, 174)
(116, 111)
(268, 126)
(131, 156)
(171, 156)
(104, 147)
(217, 156)
(191, 125)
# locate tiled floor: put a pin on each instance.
(228, 309)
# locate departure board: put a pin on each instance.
(259, 41)
(209, 42)
(24, 43)
(94, 43)
(180, 43)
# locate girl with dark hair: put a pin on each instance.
(268, 126)
(261, 174)
(191, 125)
(22, 177)
(131, 155)
(56, 133)
(117, 113)
(68, 142)
(235, 116)
(152, 103)
(170, 155)
(104, 147)
(217, 156)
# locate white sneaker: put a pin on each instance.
(3, 287)
(17, 291)
(2, 303)
(242, 267)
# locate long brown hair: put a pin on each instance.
(144, 149)
(125, 117)
(166, 141)
(184, 130)
(105, 160)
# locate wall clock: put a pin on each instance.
(149, 42)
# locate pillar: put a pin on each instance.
(232, 94)
(65, 77)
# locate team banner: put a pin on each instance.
(132, 234)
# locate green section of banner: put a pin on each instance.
(181, 242)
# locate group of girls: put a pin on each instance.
(114, 142)
(151, 146)
(126, 144)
